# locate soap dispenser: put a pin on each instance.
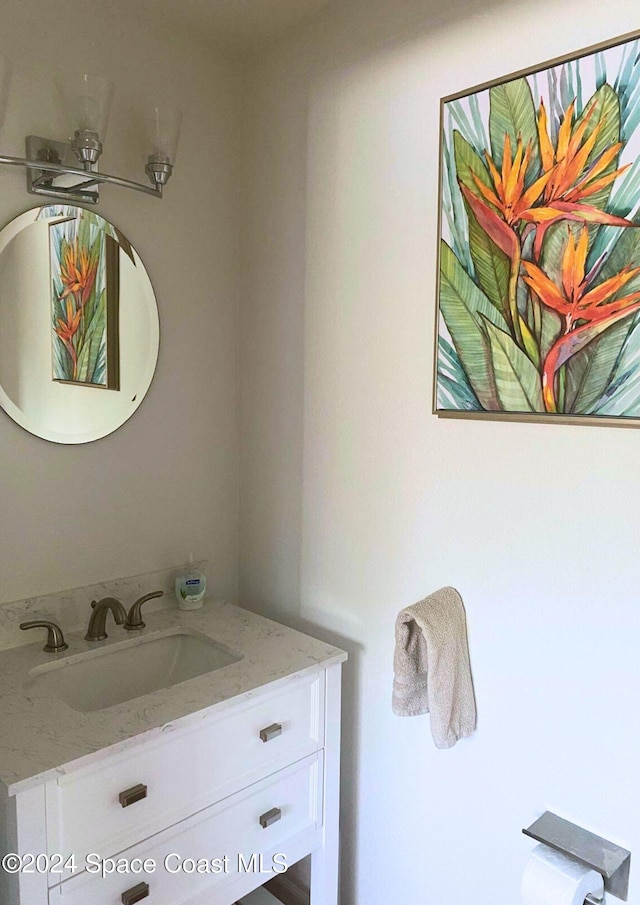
(190, 586)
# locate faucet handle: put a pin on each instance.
(55, 638)
(134, 619)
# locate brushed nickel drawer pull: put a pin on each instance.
(270, 817)
(130, 796)
(135, 894)
(272, 731)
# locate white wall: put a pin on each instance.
(166, 482)
(357, 501)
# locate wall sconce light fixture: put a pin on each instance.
(69, 169)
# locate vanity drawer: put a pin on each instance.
(230, 828)
(108, 807)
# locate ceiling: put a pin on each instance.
(240, 22)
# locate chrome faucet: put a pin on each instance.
(134, 619)
(97, 622)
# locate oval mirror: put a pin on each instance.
(79, 329)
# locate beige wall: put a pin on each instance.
(166, 482)
(357, 501)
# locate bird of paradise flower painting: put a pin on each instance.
(539, 283)
(84, 282)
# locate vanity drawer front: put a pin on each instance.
(184, 771)
(230, 828)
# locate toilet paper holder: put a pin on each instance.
(607, 858)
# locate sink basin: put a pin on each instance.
(101, 678)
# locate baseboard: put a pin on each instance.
(288, 891)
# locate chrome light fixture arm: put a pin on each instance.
(42, 173)
(67, 170)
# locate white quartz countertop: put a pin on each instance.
(42, 737)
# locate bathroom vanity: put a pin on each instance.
(189, 794)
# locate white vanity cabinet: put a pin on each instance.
(194, 813)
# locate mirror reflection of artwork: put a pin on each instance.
(85, 295)
(70, 280)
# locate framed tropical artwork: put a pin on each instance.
(85, 288)
(538, 313)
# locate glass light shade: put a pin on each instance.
(88, 101)
(164, 131)
(5, 80)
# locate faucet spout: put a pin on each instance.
(97, 623)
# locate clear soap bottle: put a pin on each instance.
(190, 586)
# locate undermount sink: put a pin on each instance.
(101, 678)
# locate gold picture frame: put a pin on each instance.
(538, 286)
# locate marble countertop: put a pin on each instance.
(43, 737)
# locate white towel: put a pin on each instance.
(431, 665)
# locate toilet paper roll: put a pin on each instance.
(551, 878)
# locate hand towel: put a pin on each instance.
(432, 669)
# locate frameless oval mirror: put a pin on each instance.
(79, 329)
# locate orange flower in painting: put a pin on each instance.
(574, 300)
(77, 272)
(567, 179)
(510, 196)
(586, 312)
(572, 179)
(66, 330)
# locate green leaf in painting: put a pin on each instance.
(100, 370)
(605, 117)
(465, 124)
(622, 396)
(96, 344)
(577, 340)
(517, 379)
(550, 329)
(96, 248)
(97, 334)
(590, 371)
(98, 320)
(469, 164)
(491, 265)
(62, 365)
(530, 344)
(92, 340)
(512, 112)
(461, 304)
(83, 360)
(84, 229)
(453, 389)
(625, 253)
(452, 205)
(93, 298)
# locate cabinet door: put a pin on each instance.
(108, 807)
(221, 853)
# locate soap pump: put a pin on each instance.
(190, 586)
